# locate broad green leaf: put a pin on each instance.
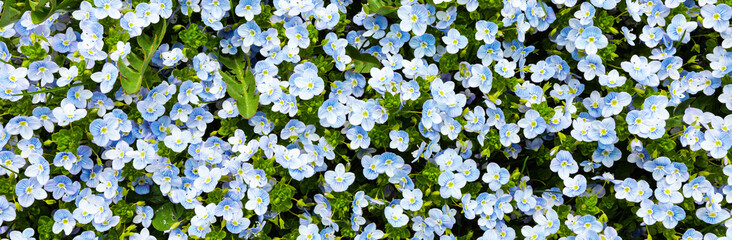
(132, 75)
(241, 86)
(67, 5)
(233, 87)
(247, 105)
(372, 6)
(39, 11)
(236, 64)
(37, 4)
(380, 7)
(9, 14)
(165, 217)
(362, 62)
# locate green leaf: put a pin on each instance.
(165, 217)
(281, 195)
(233, 87)
(396, 233)
(9, 14)
(241, 86)
(39, 11)
(362, 62)
(216, 235)
(133, 74)
(37, 4)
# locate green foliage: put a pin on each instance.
(215, 196)
(10, 13)
(45, 227)
(240, 85)
(34, 52)
(124, 210)
(397, 233)
(167, 216)
(164, 151)
(341, 203)
(133, 75)
(228, 127)
(67, 140)
(362, 62)
(586, 205)
(427, 176)
(381, 7)
(193, 37)
(281, 197)
(449, 62)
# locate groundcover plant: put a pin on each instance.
(380, 119)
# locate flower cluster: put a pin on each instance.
(285, 119)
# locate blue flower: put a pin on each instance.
(411, 199)
(535, 232)
(587, 225)
(399, 140)
(207, 178)
(591, 39)
(525, 199)
(509, 134)
(395, 216)
(199, 118)
(574, 186)
(248, 9)
(339, 180)
(178, 140)
(532, 123)
(679, 29)
(668, 214)
(486, 31)
(107, 223)
(563, 164)
(150, 110)
(308, 232)
(43, 71)
(591, 66)
(495, 176)
(454, 41)
(23, 125)
(371, 167)
(706, 214)
(29, 190)
(7, 210)
(217, 9)
(27, 234)
(104, 131)
(359, 137)
(716, 16)
(298, 36)
(414, 18)
(63, 220)
(258, 201)
(64, 42)
(446, 18)
(305, 81)
(450, 184)
(60, 186)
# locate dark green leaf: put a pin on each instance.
(243, 90)
(362, 62)
(165, 217)
(132, 75)
(39, 11)
(9, 14)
